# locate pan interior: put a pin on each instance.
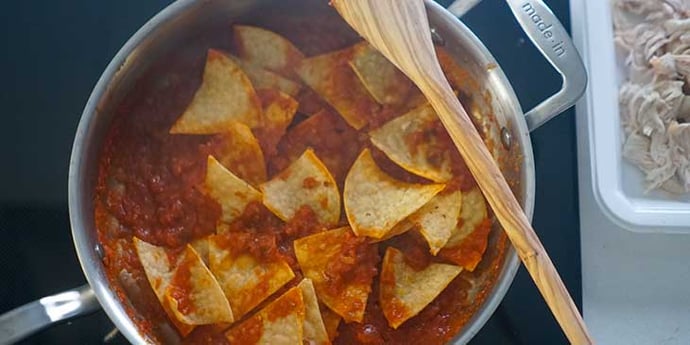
(306, 22)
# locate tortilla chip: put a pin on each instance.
(406, 141)
(308, 134)
(245, 281)
(314, 254)
(157, 265)
(231, 192)
(314, 329)
(265, 79)
(404, 291)
(239, 151)
(225, 95)
(159, 272)
(266, 49)
(385, 82)
(279, 110)
(375, 202)
(279, 323)
(333, 79)
(194, 294)
(438, 218)
(306, 182)
(472, 213)
(331, 320)
(469, 239)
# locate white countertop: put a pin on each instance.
(636, 286)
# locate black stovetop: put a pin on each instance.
(54, 51)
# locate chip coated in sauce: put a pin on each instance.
(405, 291)
(375, 202)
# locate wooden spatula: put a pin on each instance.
(399, 29)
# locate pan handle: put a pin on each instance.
(32, 317)
(552, 40)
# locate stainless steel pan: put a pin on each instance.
(175, 22)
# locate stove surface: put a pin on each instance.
(54, 53)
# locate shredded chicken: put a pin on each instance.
(654, 38)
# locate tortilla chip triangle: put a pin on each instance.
(231, 192)
(469, 240)
(435, 220)
(438, 218)
(375, 202)
(306, 182)
(279, 110)
(333, 79)
(159, 272)
(381, 78)
(239, 151)
(405, 140)
(225, 95)
(266, 49)
(157, 265)
(404, 291)
(472, 213)
(279, 323)
(186, 288)
(314, 328)
(315, 254)
(245, 280)
(265, 79)
(194, 294)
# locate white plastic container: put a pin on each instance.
(618, 185)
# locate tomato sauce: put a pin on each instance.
(267, 238)
(355, 264)
(149, 180)
(261, 246)
(338, 150)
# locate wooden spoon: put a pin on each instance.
(399, 29)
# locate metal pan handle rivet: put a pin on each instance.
(506, 138)
(99, 251)
(436, 37)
